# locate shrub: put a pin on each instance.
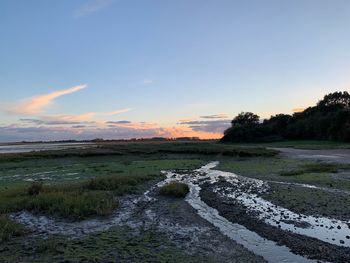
(174, 189)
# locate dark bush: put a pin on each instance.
(174, 189)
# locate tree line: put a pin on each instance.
(328, 120)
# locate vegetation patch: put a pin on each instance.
(117, 184)
(174, 189)
(75, 201)
(321, 168)
(312, 168)
(8, 228)
(310, 201)
(288, 170)
(118, 244)
(291, 173)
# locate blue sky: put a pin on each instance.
(160, 66)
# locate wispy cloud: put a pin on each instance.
(111, 113)
(92, 6)
(210, 126)
(118, 122)
(37, 104)
(63, 119)
(215, 116)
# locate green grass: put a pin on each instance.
(130, 148)
(118, 244)
(77, 169)
(76, 200)
(288, 170)
(321, 168)
(90, 195)
(313, 168)
(69, 202)
(8, 228)
(174, 189)
(310, 201)
(300, 144)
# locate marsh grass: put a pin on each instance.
(118, 184)
(118, 244)
(75, 201)
(174, 189)
(312, 168)
(145, 149)
(8, 228)
(321, 168)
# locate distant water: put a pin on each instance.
(30, 147)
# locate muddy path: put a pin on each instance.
(333, 155)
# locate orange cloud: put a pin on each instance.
(296, 110)
(38, 103)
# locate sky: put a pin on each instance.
(116, 69)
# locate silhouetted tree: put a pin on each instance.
(336, 100)
(328, 120)
(245, 118)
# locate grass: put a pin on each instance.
(310, 201)
(118, 184)
(288, 170)
(313, 168)
(75, 201)
(118, 244)
(174, 189)
(125, 149)
(8, 228)
(301, 144)
(90, 195)
(321, 168)
(77, 169)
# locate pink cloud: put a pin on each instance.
(37, 104)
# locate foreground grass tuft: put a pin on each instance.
(74, 201)
(174, 189)
(8, 228)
